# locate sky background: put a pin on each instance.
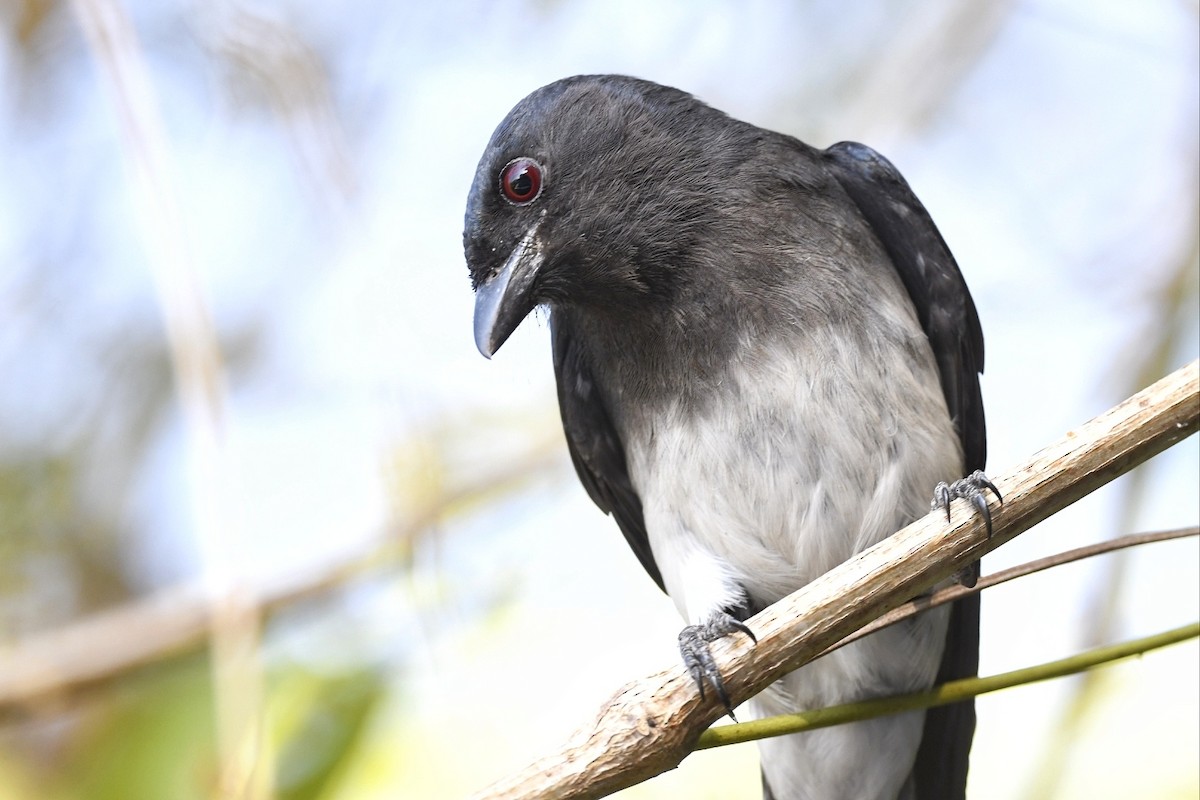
(319, 157)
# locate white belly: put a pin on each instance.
(774, 484)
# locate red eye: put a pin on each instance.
(521, 180)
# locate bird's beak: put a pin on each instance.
(506, 298)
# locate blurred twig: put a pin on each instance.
(920, 67)
(46, 670)
(245, 769)
(267, 56)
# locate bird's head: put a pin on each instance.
(590, 193)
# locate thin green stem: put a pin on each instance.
(951, 692)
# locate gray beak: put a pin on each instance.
(506, 298)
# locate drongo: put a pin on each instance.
(766, 359)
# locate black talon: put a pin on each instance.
(985, 483)
(742, 627)
(941, 498)
(694, 641)
(980, 502)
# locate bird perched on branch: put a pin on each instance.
(766, 360)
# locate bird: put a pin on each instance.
(766, 360)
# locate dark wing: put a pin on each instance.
(947, 314)
(595, 447)
(933, 281)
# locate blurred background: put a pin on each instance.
(238, 382)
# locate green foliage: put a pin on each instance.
(152, 737)
(319, 720)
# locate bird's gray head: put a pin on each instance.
(590, 193)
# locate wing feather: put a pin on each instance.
(595, 446)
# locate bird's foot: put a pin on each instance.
(970, 488)
(694, 641)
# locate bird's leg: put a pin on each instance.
(970, 488)
(694, 641)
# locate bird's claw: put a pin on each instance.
(694, 641)
(970, 488)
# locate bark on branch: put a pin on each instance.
(650, 725)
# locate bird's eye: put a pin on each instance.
(521, 180)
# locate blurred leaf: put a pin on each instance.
(155, 740)
(319, 720)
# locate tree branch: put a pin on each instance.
(650, 725)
